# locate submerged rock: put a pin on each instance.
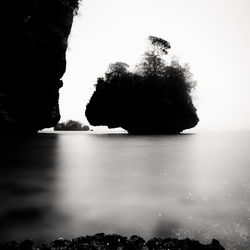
(34, 43)
(102, 241)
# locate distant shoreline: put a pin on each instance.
(59, 129)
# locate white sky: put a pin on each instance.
(213, 36)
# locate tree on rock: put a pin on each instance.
(71, 125)
(153, 63)
(155, 98)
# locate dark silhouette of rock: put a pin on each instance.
(102, 241)
(155, 99)
(34, 42)
(26, 245)
(71, 125)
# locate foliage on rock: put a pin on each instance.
(71, 125)
(155, 98)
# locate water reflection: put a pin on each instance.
(71, 184)
(27, 183)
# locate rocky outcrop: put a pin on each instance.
(143, 105)
(34, 42)
(71, 125)
(114, 242)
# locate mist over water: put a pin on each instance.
(69, 184)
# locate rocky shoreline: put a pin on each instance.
(103, 241)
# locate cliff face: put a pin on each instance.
(34, 43)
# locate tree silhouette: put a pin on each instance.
(116, 69)
(153, 63)
(71, 125)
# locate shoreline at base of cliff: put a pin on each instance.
(103, 241)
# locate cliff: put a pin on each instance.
(34, 43)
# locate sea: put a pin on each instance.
(71, 184)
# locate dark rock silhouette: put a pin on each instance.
(71, 125)
(103, 241)
(34, 42)
(155, 99)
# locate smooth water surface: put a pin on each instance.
(76, 183)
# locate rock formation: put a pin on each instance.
(144, 104)
(34, 43)
(71, 125)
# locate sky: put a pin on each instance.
(213, 36)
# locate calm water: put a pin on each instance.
(75, 183)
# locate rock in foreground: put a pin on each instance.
(114, 242)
